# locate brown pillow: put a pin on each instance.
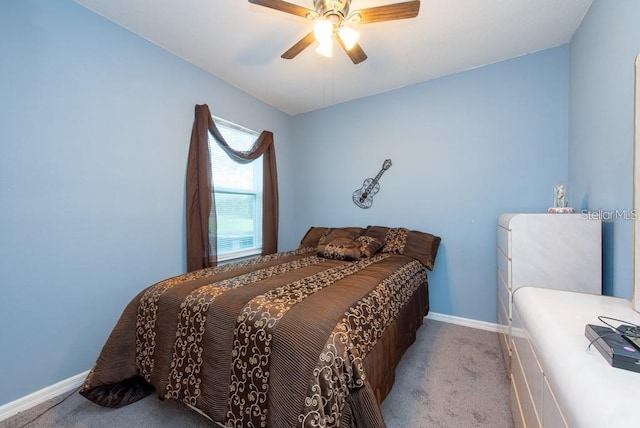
(377, 232)
(419, 245)
(340, 249)
(314, 234)
(342, 232)
(369, 246)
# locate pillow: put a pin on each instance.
(419, 245)
(340, 249)
(314, 234)
(377, 232)
(350, 233)
(369, 246)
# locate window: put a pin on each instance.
(237, 193)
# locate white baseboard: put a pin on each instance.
(25, 403)
(28, 401)
(466, 322)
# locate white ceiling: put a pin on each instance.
(241, 43)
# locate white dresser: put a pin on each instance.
(560, 251)
(555, 251)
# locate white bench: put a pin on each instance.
(556, 382)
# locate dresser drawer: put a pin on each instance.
(504, 335)
(516, 410)
(504, 268)
(529, 412)
(504, 238)
(503, 311)
(551, 415)
(529, 360)
(504, 295)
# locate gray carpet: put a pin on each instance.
(452, 376)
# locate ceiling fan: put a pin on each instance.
(331, 18)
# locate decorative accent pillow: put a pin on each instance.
(419, 245)
(314, 234)
(340, 249)
(369, 246)
(396, 240)
(341, 232)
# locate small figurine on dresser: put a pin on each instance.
(561, 200)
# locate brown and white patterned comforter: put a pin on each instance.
(290, 339)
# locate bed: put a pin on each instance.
(309, 337)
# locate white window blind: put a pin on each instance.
(238, 193)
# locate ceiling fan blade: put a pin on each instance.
(299, 47)
(389, 12)
(356, 53)
(283, 6)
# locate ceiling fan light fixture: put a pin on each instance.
(331, 17)
(323, 31)
(349, 37)
(325, 48)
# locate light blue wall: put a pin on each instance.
(94, 131)
(465, 148)
(603, 52)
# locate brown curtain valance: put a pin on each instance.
(201, 241)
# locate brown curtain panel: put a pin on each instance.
(201, 210)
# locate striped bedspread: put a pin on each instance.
(276, 341)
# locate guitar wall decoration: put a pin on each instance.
(364, 197)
